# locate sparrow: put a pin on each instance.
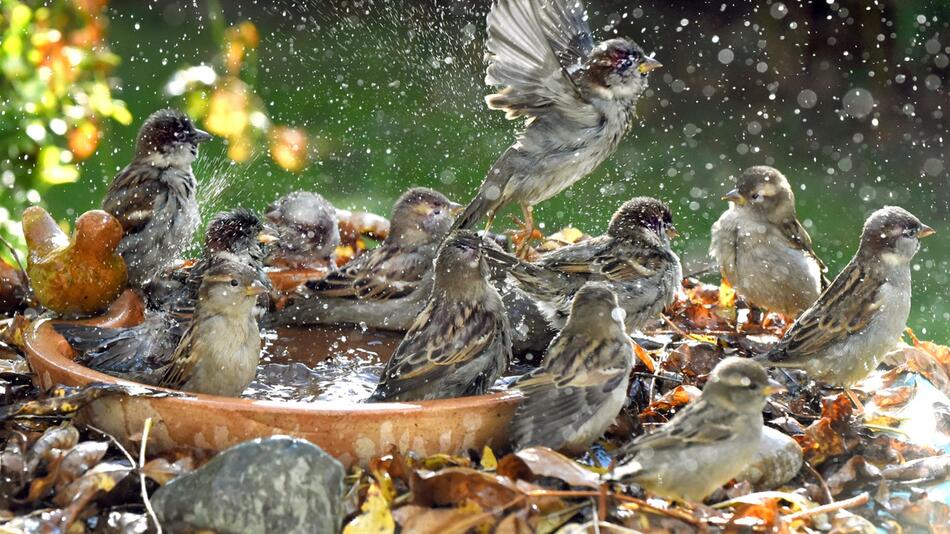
(307, 229)
(154, 196)
(707, 443)
(577, 98)
(459, 344)
(581, 385)
(843, 336)
(387, 286)
(234, 236)
(220, 351)
(634, 258)
(762, 249)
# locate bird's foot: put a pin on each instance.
(523, 237)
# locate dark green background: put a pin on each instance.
(373, 86)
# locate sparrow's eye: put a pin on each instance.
(910, 232)
(234, 282)
(753, 386)
(755, 196)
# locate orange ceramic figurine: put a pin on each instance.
(81, 274)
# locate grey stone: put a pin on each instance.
(778, 460)
(277, 484)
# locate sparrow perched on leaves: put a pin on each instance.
(387, 286)
(634, 258)
(761, 248)
(843, 336)
(707, 443)
(581, 385)
(217, 354)
(459, 344)
(154, 196)
(233, 236)
(307, 229)
(577, 98)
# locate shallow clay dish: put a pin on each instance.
(353, 433)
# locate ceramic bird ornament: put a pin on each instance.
(78, 274)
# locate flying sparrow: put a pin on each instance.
(581, 385)
(387, 286)
(578, 99)
(307, 229)
(219, 352)
(232, 236)
(459, 344)
(154, 196)
(634, 258)
(707, 443)
(843, 336)
(761, 248)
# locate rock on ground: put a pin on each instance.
(778, 460)
(277, 484)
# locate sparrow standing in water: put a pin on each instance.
(708, 442)
(387, 286)
(843, 337)
(634, 258)
(459, 344)
(308, 231)
(582, 383)
(154, 196)
(761, 248)
(219, 352)
(234, 236)
(578, 99)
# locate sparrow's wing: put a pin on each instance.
(123, 350)
(182, 366)
(131, 197)
(441, 339)
(798, 238)
(564, 22)
(379, 274)
(521, 57)
(843, 309)
(604, 258)
(724, 243)
(697, 424)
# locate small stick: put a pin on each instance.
(821, 482)
(860, 500)
(674, 327)
(148, 503)
(16, 257)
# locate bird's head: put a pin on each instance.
(739, 384)
(238, 231)
(421, 216)
(763, 191)
(230, 288)
(169, 138)
(305, 218)
(892, 235)
(618, 69)
(643, 216)
(460, 264)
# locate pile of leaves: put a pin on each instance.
(874, 459)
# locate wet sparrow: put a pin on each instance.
(308, 231)
(581, 385)
(577, 98)
(387, 286)
(762, 249)
(154, 196)
(459, 344)
(708, 442)
(634, 258)
(843, 337)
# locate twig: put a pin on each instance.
(116, 443)
(674, 327)
(821, 482)
(145, 499)
(16, 257)
(860, 500)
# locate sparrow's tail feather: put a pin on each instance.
(85, 337)
(476, 210)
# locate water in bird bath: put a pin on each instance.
(329, 364)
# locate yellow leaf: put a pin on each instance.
(489, 462)
(376, 518)
(702, 338)
(727, 295)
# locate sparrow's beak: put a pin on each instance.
(925, 231)
(266, 238)
(200, 136)
(774, 387)
(734, 196)
(648, 65)
(455, 209)
(256, 288)
(672, 232)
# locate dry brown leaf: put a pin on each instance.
(162, 471)
(455, 485)
(680, 396)
(923, 469)
(54, 442)
(544, 462)
(895, 396)
(459, 520)
(855, 471)
(825, 437)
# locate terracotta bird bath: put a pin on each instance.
(352, 432)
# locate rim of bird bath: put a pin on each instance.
(354, 433)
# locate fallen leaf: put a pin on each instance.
(891, 397)
(101, 478)
(679, 396)
(544, 462)
(455, 485)
(459, 520)
(855, 471)
(923, 469)
(825, 437)
(488, 461)
(162, 471)
(376, 518)
(54, 442)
